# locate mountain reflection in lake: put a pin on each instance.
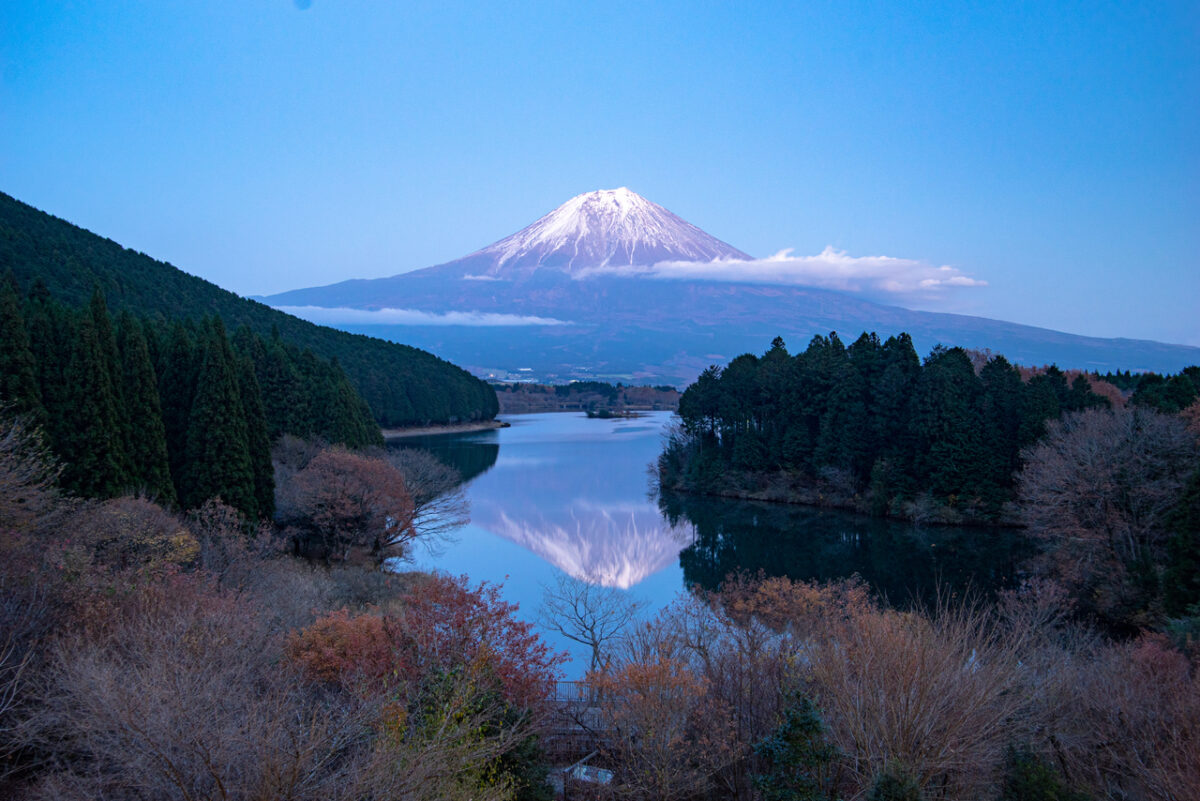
(570, 490)
(560, 492)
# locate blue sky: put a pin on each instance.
(1050, 149)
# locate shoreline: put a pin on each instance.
(448, 428)
(816, 499)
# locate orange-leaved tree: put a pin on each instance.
(344, 504)
(668, 735)
(459, 683)
(440, 624)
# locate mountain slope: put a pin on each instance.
(403, 385)
(651, 328)
(607, 228)
(669, 331)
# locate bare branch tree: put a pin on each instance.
(28, 473)
(589, 614)
(439, 500)
(1096, 490)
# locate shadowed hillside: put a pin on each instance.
(402, 385)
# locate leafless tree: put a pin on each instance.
(666, 733)
(586, 613)
(1097, 490)
(439, 500)
(940, 696)
(180, 696)
(30, 504)
(28, 474)
(24, 620)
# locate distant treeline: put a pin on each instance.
(404, 386)
(180, 411)
(1169, 394)
(590, 396)
(869, 421)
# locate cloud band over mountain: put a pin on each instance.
(829, 269)
(347, 316)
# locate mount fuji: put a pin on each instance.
(581, 293)
(606, 228)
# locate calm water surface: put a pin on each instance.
(561, 493)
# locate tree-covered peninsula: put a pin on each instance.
(868, 426)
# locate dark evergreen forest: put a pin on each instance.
(402, 385)
(870, 422)
(872, 427)
(1169, 394)
(179, 411)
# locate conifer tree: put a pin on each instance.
(218, 462)
(147, 444)
(815, 375)
(285, 407)
(698, 406)
(1001, 411)
(91, 445)
(259, 443)
(798, 759)
(177, 388)
(900, 366)
(866, 354)
(319, 395)
(1080, 397)
(19, 388)
(845, 440)
(107, 341)
(1044, 396)
(946, 423)
(738, 433)
(50, 328)
(774, 371)
(154, 345)
(357, 428)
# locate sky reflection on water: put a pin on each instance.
(565, 494)
(561, 493)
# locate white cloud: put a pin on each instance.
(829, 269)
(345, 316)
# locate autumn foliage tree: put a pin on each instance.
(1136, 714)
(449, 664)
(439, 624)
(343, 504)
(669, 736)
(934, 697)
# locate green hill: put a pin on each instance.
(402, 385)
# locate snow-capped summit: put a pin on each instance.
(605, 228)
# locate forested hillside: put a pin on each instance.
(178, 411)
(402, 385)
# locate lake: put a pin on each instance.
(559, 492)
